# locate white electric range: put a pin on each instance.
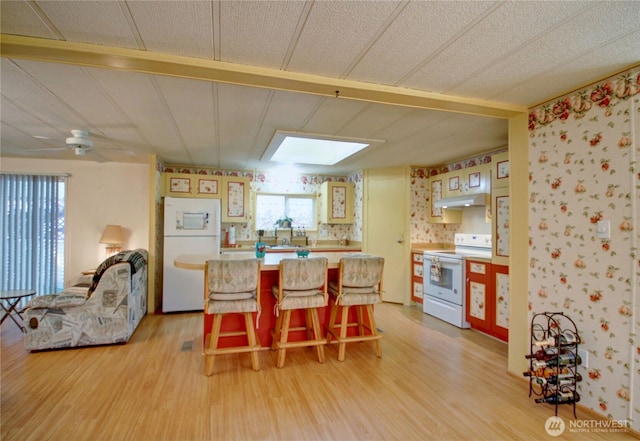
(444, 277)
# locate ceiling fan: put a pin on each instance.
(80, 142)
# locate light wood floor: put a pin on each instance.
(434, 382)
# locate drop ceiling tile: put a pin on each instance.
(336, 33)
(35, 99)
(372, 120)
(18, 18)
(257, 33)
(561, 46)
(287, 111)
(331, 114)
(74, 86)
(18, 124)
(240, 109)
(175, 27)
(412, 122)
(561, 79)
(419, 32)
(138, 98)
(503, 31)
(98, 22)
(191, 104)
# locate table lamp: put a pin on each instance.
(113, 237)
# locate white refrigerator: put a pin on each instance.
(191, 226)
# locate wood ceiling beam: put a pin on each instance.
(130, 60)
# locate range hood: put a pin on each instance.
(471, 200)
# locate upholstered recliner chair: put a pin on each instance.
(105, 308)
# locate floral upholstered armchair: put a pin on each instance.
(103, 309)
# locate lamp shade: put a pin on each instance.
(112, 235)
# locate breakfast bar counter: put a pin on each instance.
(268, 278)
(269, 262)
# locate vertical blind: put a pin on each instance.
(32, 248)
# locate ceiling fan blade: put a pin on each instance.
(52, 149)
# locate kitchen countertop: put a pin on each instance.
(421, 247)
(319, 248)
(269, 262)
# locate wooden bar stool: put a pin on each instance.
(302, 284)
(359, 284)
(232, 287)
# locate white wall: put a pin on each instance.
(97, 194)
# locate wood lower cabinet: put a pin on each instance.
(487, 295)
(500, 277)
(417, 277)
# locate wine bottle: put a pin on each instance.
(542, 354)
(560, 398)
(551, 341)
(559, 380)
(544, 372)
(553, 379)
(566, 338)
(560, 359)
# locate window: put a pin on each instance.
(32, 228)
(271, 207)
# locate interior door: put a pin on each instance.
(386, 229)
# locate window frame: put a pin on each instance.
(313, 196)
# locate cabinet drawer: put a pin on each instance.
(478, 268)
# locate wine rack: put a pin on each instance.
(553, 360)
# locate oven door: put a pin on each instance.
(445, 284)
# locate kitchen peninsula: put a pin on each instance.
(268, 278)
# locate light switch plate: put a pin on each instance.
(603, 228)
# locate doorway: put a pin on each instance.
(385, 228)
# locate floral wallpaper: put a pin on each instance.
(421, 230)
(270, 182)
(583, 153)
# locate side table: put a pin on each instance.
(9, 300)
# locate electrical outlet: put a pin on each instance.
(324, 233)
(584, 355)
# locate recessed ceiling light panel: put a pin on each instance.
(302, 148)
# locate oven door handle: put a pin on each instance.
(445, 260)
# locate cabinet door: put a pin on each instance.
(500, 170)
(500, 276)
(500, 206)
(208, 186)
(417, 277)
(453, 183)
(235, 199)
(179, 185)
(476, 180)
(337, 202)
(479, 297)
(440, 215)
